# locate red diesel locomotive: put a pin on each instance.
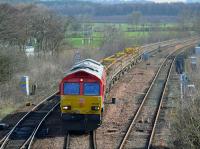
(82, 93)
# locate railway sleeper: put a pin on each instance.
(30, 123)
(22, 133)
(119, 77)
(43, 132)
(42, 111)
(142, 120)
(37, 117)
(143, 128)
(127, 68)
(46, 107)
(124, 70)
(36, 114)
(15, 144)
(113, 82)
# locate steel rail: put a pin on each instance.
(66, 141)
(160, 104)
(145, 98)
(113, 76)
(167, 42)
(93, 143)
(92, 140)
(2, 140)
(159, 108)
(133, 60)
(32, 137)
(6, 138)
(140, 107)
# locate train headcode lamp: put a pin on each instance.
(81, 80)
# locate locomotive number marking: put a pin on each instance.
(81, 102)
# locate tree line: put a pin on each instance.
(27, 25)
(24, 25)
(76, 7)
(95, 9)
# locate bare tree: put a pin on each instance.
(196, 22)
(114, 40)
(135, 18)
(7, 23)
(186, 126)
(47, 28)
(184, 19)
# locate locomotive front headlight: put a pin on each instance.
(95, 108)
(67, 108)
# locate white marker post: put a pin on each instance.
(25, 85)
(181, 83)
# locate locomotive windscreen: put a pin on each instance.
(71, 88)
(92, 89)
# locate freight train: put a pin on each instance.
(83, 89)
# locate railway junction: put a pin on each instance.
(140, 118)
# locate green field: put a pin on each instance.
(99, 29)
(78, 42)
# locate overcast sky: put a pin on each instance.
(160, 1)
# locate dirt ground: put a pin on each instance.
(117, 115)
(128, 92)
(113, 127)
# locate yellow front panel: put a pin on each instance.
(81, 104)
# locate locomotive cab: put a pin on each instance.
(82, 95)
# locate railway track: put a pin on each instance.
(119, 67)
(75, 140)
(92, 144)
(142, 127)
(22, 133)
(161, 135)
